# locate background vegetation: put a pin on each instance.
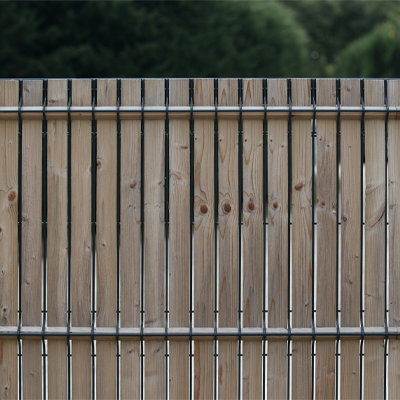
(323, 38)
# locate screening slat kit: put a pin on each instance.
(200, 238)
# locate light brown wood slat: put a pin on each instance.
(394, 369)
(130, 369)
(31, 263)
(154, 375)
(81, 239)
(277, 370)
(179, 206)
(203, 232)
(227, 369)
(57, 206)
(326, 208)
(375, 206)
(9, 240)
(81, 369)
(350, 369)
(228, 208)
(325, 369)
(154, 249)
(57, 351)
(374, 360)
(393, 204)
(252, 208)
(350, 207)
(252, 369)
(278, 245)
(301, 370)
(203, 369)
(301, 209)
(106, 365)
(130, 209)
(179, 369)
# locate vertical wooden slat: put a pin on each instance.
(203, 238)
(106, 238)
(252, 237)
(374, 361)
(278, 244)
(57, 241)
(31, 274)
(9, 193)
(179, 238)
(326, 243)
(81, 238)
(130, 238)
(302, 237)
(154, 248)
(350, 237)
(394, 238)
(228, 209)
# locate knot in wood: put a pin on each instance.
(275, 205)
(203, 209)
(227, 208)
(250, 205)
(298, 186)
(322, 204)
(12, 195)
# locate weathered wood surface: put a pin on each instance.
(350, 369)
(203, 369)
(130, 369)
(277, 370)
(325, 369)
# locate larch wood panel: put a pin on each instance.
(374, 361)
(325, 369)
(106, 365)
(350, 207)
(203, 232)
(130, 369)
(393, 204)
(203, 369)
(131, 187)
(81, 238)
(277, 370)
(179, 369)
(375, 207)
(31, 263)
(9, 197)
(326, 207)
(227, 369)
(252, 369)
(57, 367)
(228, 209)
(154, 379)
(301, 369)
(394, 369)
(350, 369)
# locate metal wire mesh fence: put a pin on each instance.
(199, 238)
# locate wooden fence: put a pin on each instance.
(236, 239)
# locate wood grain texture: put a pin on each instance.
(375, 207)
(326, 208)
(374, 360)
(325, 369)
(32, 369)
(350, 207)
(131, 187)
(179, 370)
(227, 369)
(203, 233)
(277, 370)
(349, 369)
(394, 369)
(57, 351)
(57, 206)
(252, 369)
(301, 370)
(179, 206)
(8, 369)
(393, 204)
(301, 210)
(130, 369)
(203, 369)
(228, 208)
(252, 208)
(154, 374)
(81, 369)
(278, 245)
(106, 365)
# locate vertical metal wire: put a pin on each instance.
(118, 226)
(265, 191)
(44, 229)
(94, 194)
(20, 89)
(69, 211)
(216, 202)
